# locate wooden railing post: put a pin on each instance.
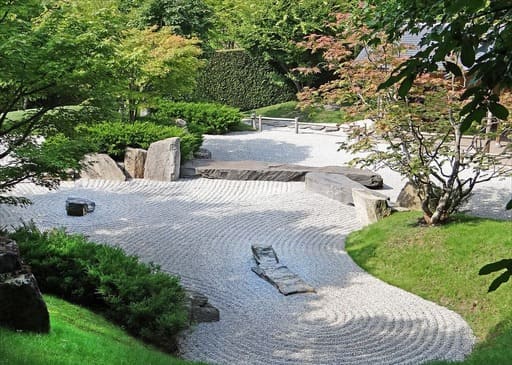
(296, 125)
(260, 125)
(253, 120)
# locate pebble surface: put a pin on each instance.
(203, 230)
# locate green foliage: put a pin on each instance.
(43, 162)
(152, 64)
(138, 296)
(183, 17)
(200, 117)
(440, 264)
(246, 82)
(272, 29)
(78, 336)
(476, 32)
(50, 52)
(291, 109)
(113, 137)
(505, 264)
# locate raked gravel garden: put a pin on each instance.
(202, 230)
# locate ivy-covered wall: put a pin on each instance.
(235, 78)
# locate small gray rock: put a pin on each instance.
(199, 309)
(89, 204)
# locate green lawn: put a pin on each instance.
(78, 336)
(441, 264)
(289, 110)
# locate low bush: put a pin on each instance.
(145, 301)
(113, 137)
(200, 117)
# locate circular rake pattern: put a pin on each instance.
(203, 229)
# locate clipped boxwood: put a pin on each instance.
(200, 117)
(235, 78)
(113, 137)
(145, 301)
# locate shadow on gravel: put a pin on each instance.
(268, 150)
(489, 202)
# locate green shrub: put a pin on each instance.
(113, 137)
(237, 79)
(200, 117)
(145, 301)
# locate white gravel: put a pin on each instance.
(203, 229)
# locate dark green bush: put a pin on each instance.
(200, 117)
(113, 137)
(145, 301)
(240, 80)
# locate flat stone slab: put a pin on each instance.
(269, 268)
(334, 186)
(258, 170)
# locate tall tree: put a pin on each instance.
(49, 50)
(272, 29)
(476, 32)
(154, 63)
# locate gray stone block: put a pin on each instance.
(258, 170)
(280, 276)
(89, 204)
(370, 206)
(134, 160)
(163, 160)
(334, 186)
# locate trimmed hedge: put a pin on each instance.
(113, 137)
(235, 78)
(200, 117)
(145, 301)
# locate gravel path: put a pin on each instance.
(203, 229)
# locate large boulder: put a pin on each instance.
(334, 186)
(134, 160)
(370, 206)
(408, 198)
(163, 160)
(101, 166)
(21, 305)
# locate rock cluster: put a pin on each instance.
(21, 305)
(162, 161)
(199, 309)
